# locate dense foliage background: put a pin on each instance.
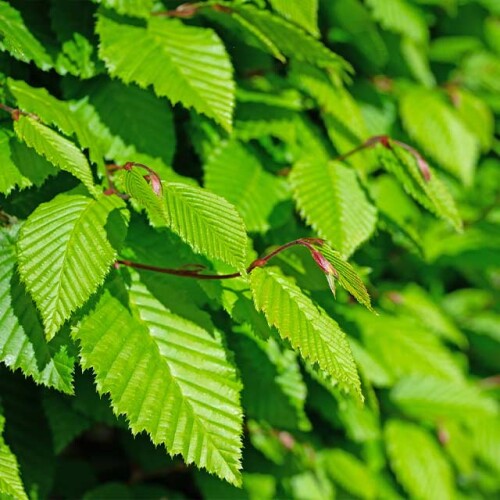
(120, 382)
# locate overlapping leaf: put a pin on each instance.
(168, 376)
(332, 202)
(139, 8)
(184, 63)
(304, 13)
(418, 462)
(311, 331)
(22, 341)
(58, 150)
(65, 250)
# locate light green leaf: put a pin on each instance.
(431, 398)
(350, 473)
(440, 132)
(22, 341)
(432, 194)
(486, 438)
(187, 64)
(418, 462)
(65, 250)
(304, 13)
(11, 484)
(139, 8)
(331, 200)
(22, 167)
(169, 377)
(235, 173)
(17, 39)
(400, 16)
(56, 149)
(310, 330)
(207, 222)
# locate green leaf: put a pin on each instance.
(432, 194)
(21, 166)
(400, 17)
(22, 341)
(65, 252)
(139, 8)
(348, 278)
(207, 222)
(17, 39)
(56, 149)
(304, 13)
(418, 462)
(235, 173)
(187, 64)
(310, 330)
(440, 132)
(431, 398)
(331, 200)
(350, 473)
(169, 377)
(11, 484)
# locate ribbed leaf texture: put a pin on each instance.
(432, 398)
(304, 13)
(281, 38)
(310, 330)
(348, 278)
(22, 340)
(11, 485)
(184, 63)
(58, 150)
(209, 223)
(17, 39)
(65, 250)
(432, 194)
(61, 114)
(350, 473)
(440, 132)
(22, 167)
(139, 8)
(400, 17)
(169, 377)
(235, 173)
(418, 462)
(331, 200)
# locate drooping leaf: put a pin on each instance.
(139, 8)
(233, 172)
(187, 64)
(310, 330)
(304, 13)
(168, 376)
(22, 341)
(332, 202)
(432, 398)
(59, 151)
(22, 167)
(440, 132)
(65, 250)
(17, 39)
(418, 462)
(11, 484)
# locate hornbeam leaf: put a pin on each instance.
(347, 277)
(65, 252)
(58, 150)
(139, 8)
(304, 13)
(169, 377)
(418, 462)
(22, 340)
(207, 222)
(332, 202)
(18, 40)
(184, 63)
(11, 484)
(310, 330)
